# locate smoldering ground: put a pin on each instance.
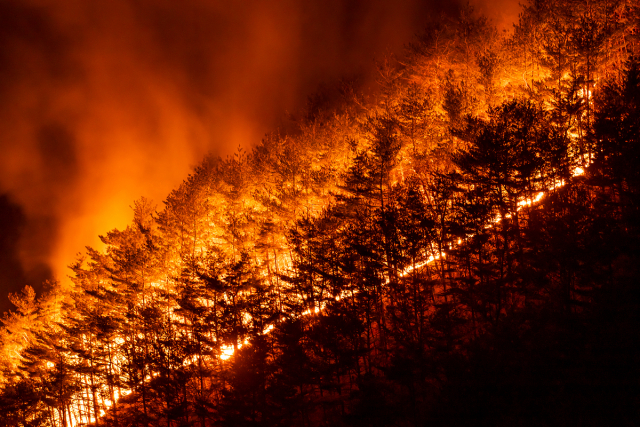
(105, 101)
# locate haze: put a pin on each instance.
(107, 101)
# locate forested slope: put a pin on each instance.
(461, 248)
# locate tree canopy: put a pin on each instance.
(460, 247)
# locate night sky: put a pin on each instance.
(107, 101)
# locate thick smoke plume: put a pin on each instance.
(105, 101)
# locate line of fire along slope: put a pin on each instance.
(228, 350)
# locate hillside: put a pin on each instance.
(459, 248)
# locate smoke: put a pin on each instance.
(502, 13)
(105, 101)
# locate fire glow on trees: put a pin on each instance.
(227, 351)
(329, 270)
(110, 99)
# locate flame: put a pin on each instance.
(581, 93)
(227, 351)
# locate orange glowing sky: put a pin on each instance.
(105, 101)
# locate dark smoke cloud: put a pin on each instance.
(104, 101)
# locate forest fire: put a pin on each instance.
(425, 250)
(109, 100)
(227, 351)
